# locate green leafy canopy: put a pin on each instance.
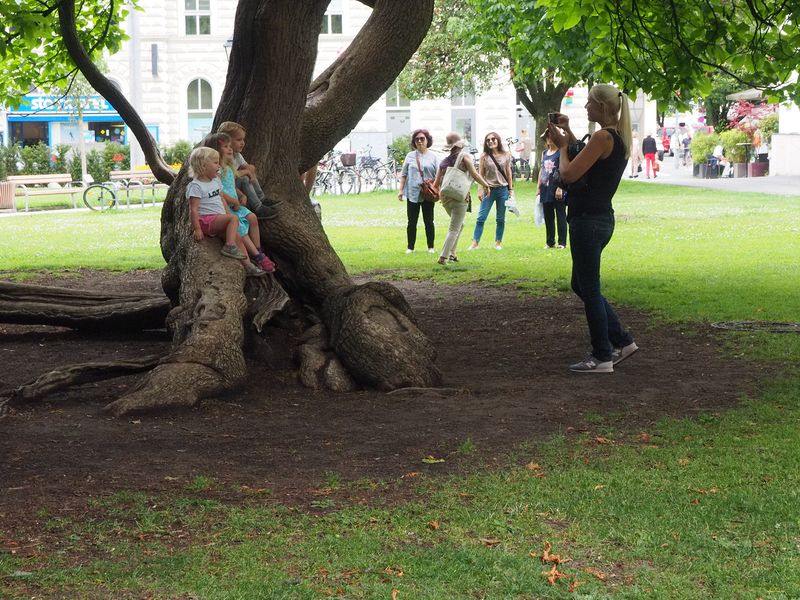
(31, 50)
(668, 48)
(471, 41)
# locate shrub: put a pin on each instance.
(731, 145)
(116, 157)
(35, 159)
(399, 148)
(9, 155)
(177, 153)
(768, 125)
(60, 163)
(702, 146)
(95, 165)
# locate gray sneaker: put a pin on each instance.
(232, 251)
(250, 270)
(591, 365)
(620, 354)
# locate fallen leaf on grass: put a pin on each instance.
(394, 571)
(432, 460)
(434, 525)
(599, 486)
(489, 542)
(695, 502)
(704, 491)
(553, 575)
(603, 440)
(394, 594)
(683, 461)
(535, 469)
(643, 437)
(349, 573)
(574, 585)
(597, 573)
(547, 557)
(410, 475)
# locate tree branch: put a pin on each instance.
(340, 96)
(66, 18)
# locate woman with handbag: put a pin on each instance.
(453, 180)
(416, 186)
(601, 164)
(552, 196)
(495, 168)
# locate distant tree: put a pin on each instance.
(471, 41)
(674, 46)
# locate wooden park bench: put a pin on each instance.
(137, 178)
(44, 185)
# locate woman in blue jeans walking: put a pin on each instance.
(495, 168)
(593, 175)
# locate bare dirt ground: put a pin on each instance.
(505, 355)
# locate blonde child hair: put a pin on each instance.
(230, 127)
(215, 140)
(198, 159)
(616, 103)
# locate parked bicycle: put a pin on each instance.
(520, 168)
(375, 173)
(336, 173)
(100, 196)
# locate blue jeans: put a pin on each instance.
(588, 235)
(499, 195)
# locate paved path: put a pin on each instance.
(670, 175)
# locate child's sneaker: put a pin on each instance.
(253, 271)
(232, 251)
(591, 365)
(620, 354)
(263, 261)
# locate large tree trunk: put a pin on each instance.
(291, 122)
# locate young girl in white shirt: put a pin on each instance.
(210, 215)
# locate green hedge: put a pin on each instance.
(40, 159)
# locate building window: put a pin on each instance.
(197, 17)
(394, 99)
(332, 20)
(108, 132)
(463, 96)
(199, 109)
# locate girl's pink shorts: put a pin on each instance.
(205, 224)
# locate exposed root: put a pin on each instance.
(374, 332)
(63, 378)
(80, 309)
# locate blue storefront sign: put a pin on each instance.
(32, 121)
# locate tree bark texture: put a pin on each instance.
(80, 309)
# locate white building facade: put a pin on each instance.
(173, 71)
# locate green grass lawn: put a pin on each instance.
(696, 508)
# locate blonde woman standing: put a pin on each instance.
(600, 164)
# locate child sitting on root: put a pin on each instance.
(209, 214)
(236, 200)
(246, 179)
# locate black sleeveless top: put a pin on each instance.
(602, 180)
